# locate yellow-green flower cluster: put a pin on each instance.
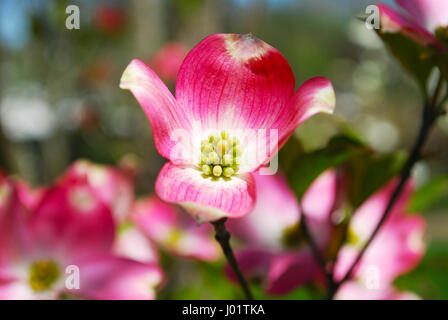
(220, 155)
(43, 274)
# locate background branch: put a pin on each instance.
(315, 249)
(430, 114)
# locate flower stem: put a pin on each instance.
(315, 249)
(223, 237)
(430, 115)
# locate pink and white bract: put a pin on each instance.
(234, 107)
(353, 290)
(178, 234)
(114, 187)
(275, 250)
(64, 247)
(422, 21)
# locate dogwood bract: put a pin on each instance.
(425, 21)
(69, 228)
(275, 249)
(234, 108)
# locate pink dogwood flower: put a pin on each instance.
(114, 187)
(273, 248)
(235, 106)
(397, 248)
(164, 225)
(133, 244)
(353, 290)
(28, 196)
(64, 247)
(425, 21)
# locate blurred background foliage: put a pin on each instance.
(60, 101)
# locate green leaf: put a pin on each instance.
(415, 58)
(430, 279)
(430, 195)
(289, 153)
(310, 165)
(369, 172)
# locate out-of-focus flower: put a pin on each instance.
(352, 290)
(425, 21)
(275, 249)
(235, 106)
(173, 231)
(64, 247)
(109, 19)
(145, 225)
(397, 248)
(167, 61)
(28, 196)
(132, 243)
(112, 186)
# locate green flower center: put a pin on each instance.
(43, 274)
(292, 237)
(352, 237)
(174, 237)
(220, 155)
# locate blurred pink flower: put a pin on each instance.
(146, 225)
(397, 248)
(109, 19)
(232, 91)
(167, 61)
(133, 244)
(173, 231)
(28, 196)
(353, 290)
(421, 22)
(113, 186)
(69, 231)
(274, 249)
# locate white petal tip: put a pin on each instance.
(326, 99)
(131, 74)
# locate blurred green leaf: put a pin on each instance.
(309, 166)
(289, 153)
(196, 280)
(369, 172)
(430, 279)
(415, 58)
(430, 195)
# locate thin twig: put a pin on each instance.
(223, 237)
(429, 117)
(315, 249)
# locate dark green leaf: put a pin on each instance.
(430, 195)
(430, 279)
(369, 172)
(415, 58)
(310, 165)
